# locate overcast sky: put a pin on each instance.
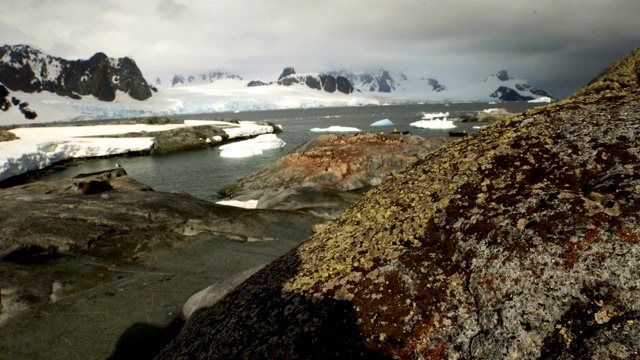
(557, 45)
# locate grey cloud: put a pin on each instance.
(171, 10)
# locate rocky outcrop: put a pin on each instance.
(102, 256)
(23, 68)
(328, 173)
(521, 240)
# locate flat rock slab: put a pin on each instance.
(90, 263)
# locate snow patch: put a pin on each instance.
(249, 204)
(336, 129)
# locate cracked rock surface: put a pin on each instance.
(519, 241)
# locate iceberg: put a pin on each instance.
(434, 121)
(336, 129)
(251, 147)
(383, 122)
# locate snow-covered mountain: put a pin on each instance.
(26, 69)
(33, 84)
(196, 79)
(383, 81)
(499, 87)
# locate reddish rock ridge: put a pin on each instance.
(343, 162)
(520, 241)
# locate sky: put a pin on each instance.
(557, 45)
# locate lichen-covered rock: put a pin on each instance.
(518, 241)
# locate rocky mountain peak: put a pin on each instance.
(23, 68)
(502, 75)
(286, 72)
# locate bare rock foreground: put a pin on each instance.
(519, 241)
(100, 265)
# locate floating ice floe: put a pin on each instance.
(336, 129)
(251, 147)
(383, 122)
(434, 121)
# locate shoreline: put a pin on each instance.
(50, 151)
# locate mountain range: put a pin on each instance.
(34, 77)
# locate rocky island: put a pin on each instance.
(518, 241)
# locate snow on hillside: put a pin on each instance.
(233, 95)
(225, 95)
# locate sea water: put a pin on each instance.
(202, 173)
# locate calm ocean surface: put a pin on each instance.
(202, 173)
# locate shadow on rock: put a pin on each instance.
(144, 341)
(260, 319)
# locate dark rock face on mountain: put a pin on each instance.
(521, 240)
(507, 94)
(6, 103)
(326, 82)
(502, 75)
(289, 70)
(24, 68)
(435, 84)
(381, 81)
(256, 83)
